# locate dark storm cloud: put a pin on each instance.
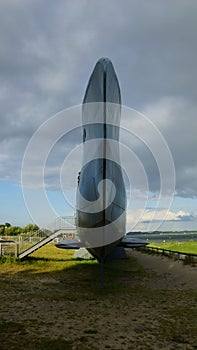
(176, 119)
(48, 50)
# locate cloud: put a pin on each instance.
(151, 219)
(176, 119)
(48, 51)
(186, 216)
(169, 216)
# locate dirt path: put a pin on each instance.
(177, 274)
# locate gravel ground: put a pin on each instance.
(149, 303)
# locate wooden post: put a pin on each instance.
(16, 249)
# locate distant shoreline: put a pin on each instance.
(166, 237)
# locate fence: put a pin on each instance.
(187, 258)
(9, 249)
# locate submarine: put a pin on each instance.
(101, 200)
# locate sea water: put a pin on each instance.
(165, 236)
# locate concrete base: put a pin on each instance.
(83, 253)
(118, 253)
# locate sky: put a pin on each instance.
(48, 51)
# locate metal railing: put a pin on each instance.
(9, 249)
(188, 258)
(26, 243)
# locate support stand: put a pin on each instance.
(101, 273)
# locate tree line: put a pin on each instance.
(8, 230)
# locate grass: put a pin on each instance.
(52, 301)
(185, 247)
(51, 261)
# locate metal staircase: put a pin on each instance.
(62, 225)
(39, 244)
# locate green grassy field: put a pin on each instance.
(52, 301)
(185, 247)
(51, 260)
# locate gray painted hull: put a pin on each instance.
(108, 222)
